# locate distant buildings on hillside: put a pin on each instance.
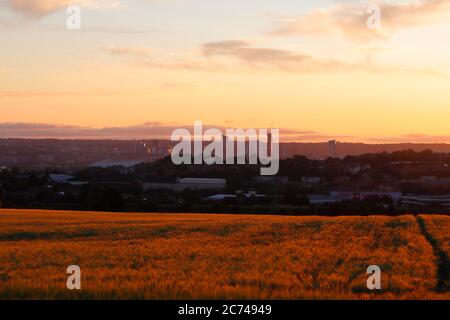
(53, 153)
(338, 196)
(188, 183)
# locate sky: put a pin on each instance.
(140, 68)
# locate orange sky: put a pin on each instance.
(312, 67)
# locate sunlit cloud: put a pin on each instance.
(243, 51)
(242, 56)
(39, 8)
(160, 130)
(158, 88)
(350, 19)
(119, 50)
(147, 130)
(412, 138)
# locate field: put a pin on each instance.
(198, 256)
(437, 230)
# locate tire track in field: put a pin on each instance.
(442, 260)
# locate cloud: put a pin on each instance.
(147, 130)
(242, 56)
(159, 130)
(256, 58)
(142, 51)
(315, 138)
(39, 130)
(35, 94)
(350, 20)
(243, 51)
(412, 138)
(286, 60)
(38, 8)
(163, 86)
(29, 126)
(119, 30)
(232, 55)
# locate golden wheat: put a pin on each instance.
(192, 256)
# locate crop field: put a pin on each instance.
(201, 256)
(437, 230)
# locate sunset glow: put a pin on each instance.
(312, 67)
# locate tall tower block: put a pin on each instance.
(332, 148)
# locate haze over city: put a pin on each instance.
(138, 69)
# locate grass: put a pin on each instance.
(200, 256)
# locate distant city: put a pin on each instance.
(329, 178)
(58, 153)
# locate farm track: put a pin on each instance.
(442, 260)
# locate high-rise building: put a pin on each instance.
(332, 148)
(269, 144)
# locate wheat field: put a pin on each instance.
(203, 256)
(439, 228)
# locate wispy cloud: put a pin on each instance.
(39, 8)
(39, 130)
(412, 138)
(164, 86)
(243, 56)
(121, 50)
(235, 56)
(159, 130)
(243, 51)
(350, 19)
(147, 130)
(318, 137)
(301, 62)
